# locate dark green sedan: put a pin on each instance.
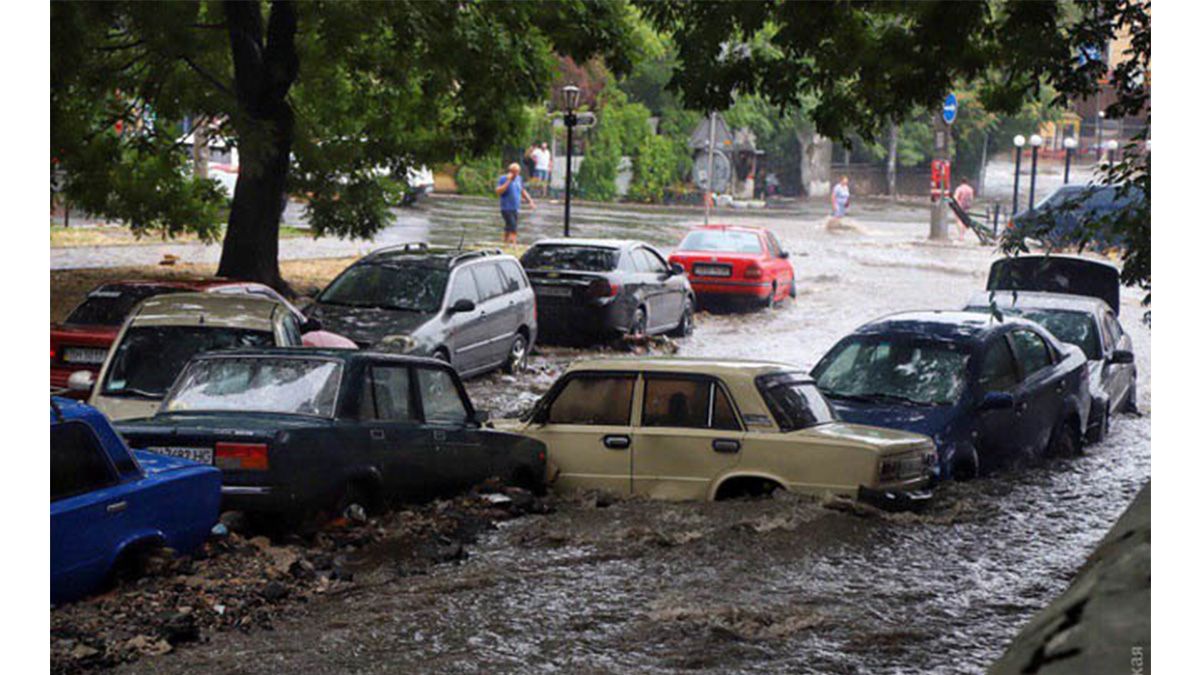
(302, 431)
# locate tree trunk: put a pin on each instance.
(200, 151)
(263, 71)
(893, 144)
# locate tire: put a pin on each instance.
(965, 467)
(1130, 407)
(1066, 442)
(686, 320)
(354, 493)
(1099, 432)
(638, 325)
(792, 289)
(769, 301)
(518, 355)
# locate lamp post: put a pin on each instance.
(1069, 143)
(570, 101)
(1035, 142)
(1018, 143)
(1111, 146)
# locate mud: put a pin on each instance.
(784, 584)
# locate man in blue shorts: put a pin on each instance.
(511, 190)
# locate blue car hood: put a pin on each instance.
(929, 420)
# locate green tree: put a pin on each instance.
(324, 98)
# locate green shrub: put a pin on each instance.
(478, 176)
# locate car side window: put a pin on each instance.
(487, 277)
(463, 288)
(626, 262)
(1112, 329)
(78, 463)
(291, 330)
(657, 264)
(597, 400)
(999, 371)
(686, 403)
(641, 262)
(386, 395)
(723, 416)
(513, 279)
(773, 246)
(1031, 350)
(440, 397)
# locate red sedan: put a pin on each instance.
(81, 342)
(736, 262)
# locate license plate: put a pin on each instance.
(84, 355)
(555, 291)
(712, 270)
(202, 455)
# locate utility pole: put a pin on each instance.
(893, 146)
(712, 141)
(941, 153)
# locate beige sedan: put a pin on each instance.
(682, 429)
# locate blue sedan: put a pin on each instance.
(988, 392)
(109, 506)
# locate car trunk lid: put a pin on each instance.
(1058, 274)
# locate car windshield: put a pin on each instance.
(581, 258)
(891, 369)
(109, 305)
(149, 358)
(729, 241)
(415, 288)
(1077, 328)
(303, 386)
(794, 401)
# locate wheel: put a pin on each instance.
(1098, 432)
(1131, 399)
(1066, 442)
(354, 502)
(638, 325)
(686, 320)
(792, 289)
(769, 301)
(965, 466)
(518, 355)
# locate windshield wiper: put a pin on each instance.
(132, 391)
(880, 396)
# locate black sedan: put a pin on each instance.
(297, 432)
(591, 289)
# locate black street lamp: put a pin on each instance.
(570, 101)
(1035, 142)
(1018, 143)
(1069, 143)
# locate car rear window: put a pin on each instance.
(109, 305)
(149, 358)
(570, 258)
(729, 241)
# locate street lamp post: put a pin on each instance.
(1018, 143)
(1035, 142)
(1069, 143)
(570, 101)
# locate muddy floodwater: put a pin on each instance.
(782, 584)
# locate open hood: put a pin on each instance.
(1058, 274)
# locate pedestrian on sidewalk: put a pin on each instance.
(964, 194)
(511, 191)
(541, 167)
(839, 198)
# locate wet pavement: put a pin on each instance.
(773, 585)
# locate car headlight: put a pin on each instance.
(397, 343)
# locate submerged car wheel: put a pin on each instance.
(1131, 406)
(965, 466)
(769, 301)
(687, 321)
(792, 289)
(1099, 432)
(1066, 442)
(518, 355)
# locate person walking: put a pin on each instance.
(839, 198)
(541, 167)
(964, 194)
(511, 191)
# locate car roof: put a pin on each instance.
(738, 228)
(952, 325)
(182, 284)
(346, 355)
(593, 243)
(207, 309)
(1037, 300)
(66, 409)
(426, 256)
(687, 365)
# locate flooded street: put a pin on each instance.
(781, 585)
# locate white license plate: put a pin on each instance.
(712, 271)
(202, 455)
(84, 355)
(555, 291)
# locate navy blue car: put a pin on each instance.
(108, 505)
(988, 392)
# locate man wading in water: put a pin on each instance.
(511, 190)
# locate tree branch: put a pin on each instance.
(207, 76)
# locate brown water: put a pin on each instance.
(774, 585)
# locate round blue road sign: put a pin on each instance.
(950, 108)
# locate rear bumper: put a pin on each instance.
(567, 320)
(749, 289)
(891, 499)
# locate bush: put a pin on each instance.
(478, 176)
(654, 170)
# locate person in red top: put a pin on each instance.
(964, 194)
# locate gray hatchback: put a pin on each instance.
(472, 309)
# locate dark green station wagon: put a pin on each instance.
(298, 431)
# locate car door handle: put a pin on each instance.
(117, 507)
(616, 442)
(726, 445)
(377, 434)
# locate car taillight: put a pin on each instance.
(602, 288)
(52, 352)
(753, 272)
(245, 456)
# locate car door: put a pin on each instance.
(662, 300)
(400, 445)
(1039, 396)
(586, 424)
(467, 337)
(1118, 375)
(781, 269)
(685, 436)
(460, 458)
(87, 509)
(999, 431)
(500, 313)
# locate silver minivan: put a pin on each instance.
(473, 309)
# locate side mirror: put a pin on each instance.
(81, 380)
(676, 268)
(463, 305)
(311, 325)
(1121, 357)
(785, 255)
(482, 417)
(997, 400)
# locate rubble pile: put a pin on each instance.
(242, 580)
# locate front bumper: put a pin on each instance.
(894, 500)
